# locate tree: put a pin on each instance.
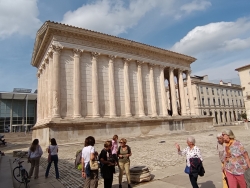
(244, 116)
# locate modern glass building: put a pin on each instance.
(17, 110)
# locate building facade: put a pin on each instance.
(244, 74)
(90, 82)
(17, 110)
(223, 101)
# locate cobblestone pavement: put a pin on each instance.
(156, 152)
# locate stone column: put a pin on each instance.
(173, 91)
(152, 90)
(77, 84)
(50, 83)
(56, 80)
(42, 92)
(126, 89)
(46, 89)
(95, 97)
(181, 93)
(140, 90)
(38, 96)
(112, 107)
(190, 93)
(163, 92)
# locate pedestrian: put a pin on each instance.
(114, 147)
(220, 149)
(236, 160)
(53, 151)
(89, 153)
(192, 152)
(107, 164)
(124, 152)
(34, 154)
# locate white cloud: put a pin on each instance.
(235, 44)
(114, 17)
(213, 37)
(196, 5)
(18, 17)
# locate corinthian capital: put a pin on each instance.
(112, 57)
(56, 48)
(139, 63)
(95, 54)
(77, 52)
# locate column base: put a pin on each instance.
(112, 116)
(141, 115)
(77, 116)
(128, 115)
(96, 116)
(56, 116)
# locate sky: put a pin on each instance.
(215, 32)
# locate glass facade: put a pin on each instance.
(13, 112)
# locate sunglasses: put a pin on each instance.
(121, 142)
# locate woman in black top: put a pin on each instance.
(107, 164)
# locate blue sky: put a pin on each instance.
(216, 32)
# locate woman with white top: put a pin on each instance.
(191, 151)
(89, 153)
(53, 150)
(35, 152)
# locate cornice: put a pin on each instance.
(51, 29)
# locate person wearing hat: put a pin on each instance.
(236, 160)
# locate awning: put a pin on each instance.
(18, 96)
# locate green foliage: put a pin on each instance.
(244, 116)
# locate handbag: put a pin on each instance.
(93, 164)
(187, 170)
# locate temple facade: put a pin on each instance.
(91, 83)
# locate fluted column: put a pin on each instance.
(77, 83)
(50, 82)
(140, 90)
(181, 93)
(38, 96)
(95, 97)
(126, 89)
(163, 92)
(190, 93)
(46, 88)
(152, 90)
(112, 108)
(173, 91)
(56, 80)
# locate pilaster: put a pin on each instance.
(126, 89)
(112, 108)
(95, 96)
(140, 90)
(77, 83)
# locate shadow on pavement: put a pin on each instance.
(207, 184)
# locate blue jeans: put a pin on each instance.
(54, 158)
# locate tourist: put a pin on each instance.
(220, 149)
(191, 152)
(124, 152)
(114, 147)
(89, 153)
(53, 151)
(107, 164)
(34, 154)
(236, 160)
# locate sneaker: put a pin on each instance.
(120, 186)
(129, 186)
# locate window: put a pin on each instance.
(214, 101)
(203, 104)
(218, 91)
(208, 101)
(187, 91)
(233, 102)
(207, 90)
(228, 102)
(219, 102)
(224, 102)
(201, 88)
(226, 92)
(222, 92)
(212, 91)
(237, 103)
(238, 93)
(240, 103)
(231, 92)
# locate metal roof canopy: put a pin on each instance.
(18, 96)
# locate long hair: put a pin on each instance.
(34, 145)
(53, 142)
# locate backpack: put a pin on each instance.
(78, 159)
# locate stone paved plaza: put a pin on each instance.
(158, 153)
